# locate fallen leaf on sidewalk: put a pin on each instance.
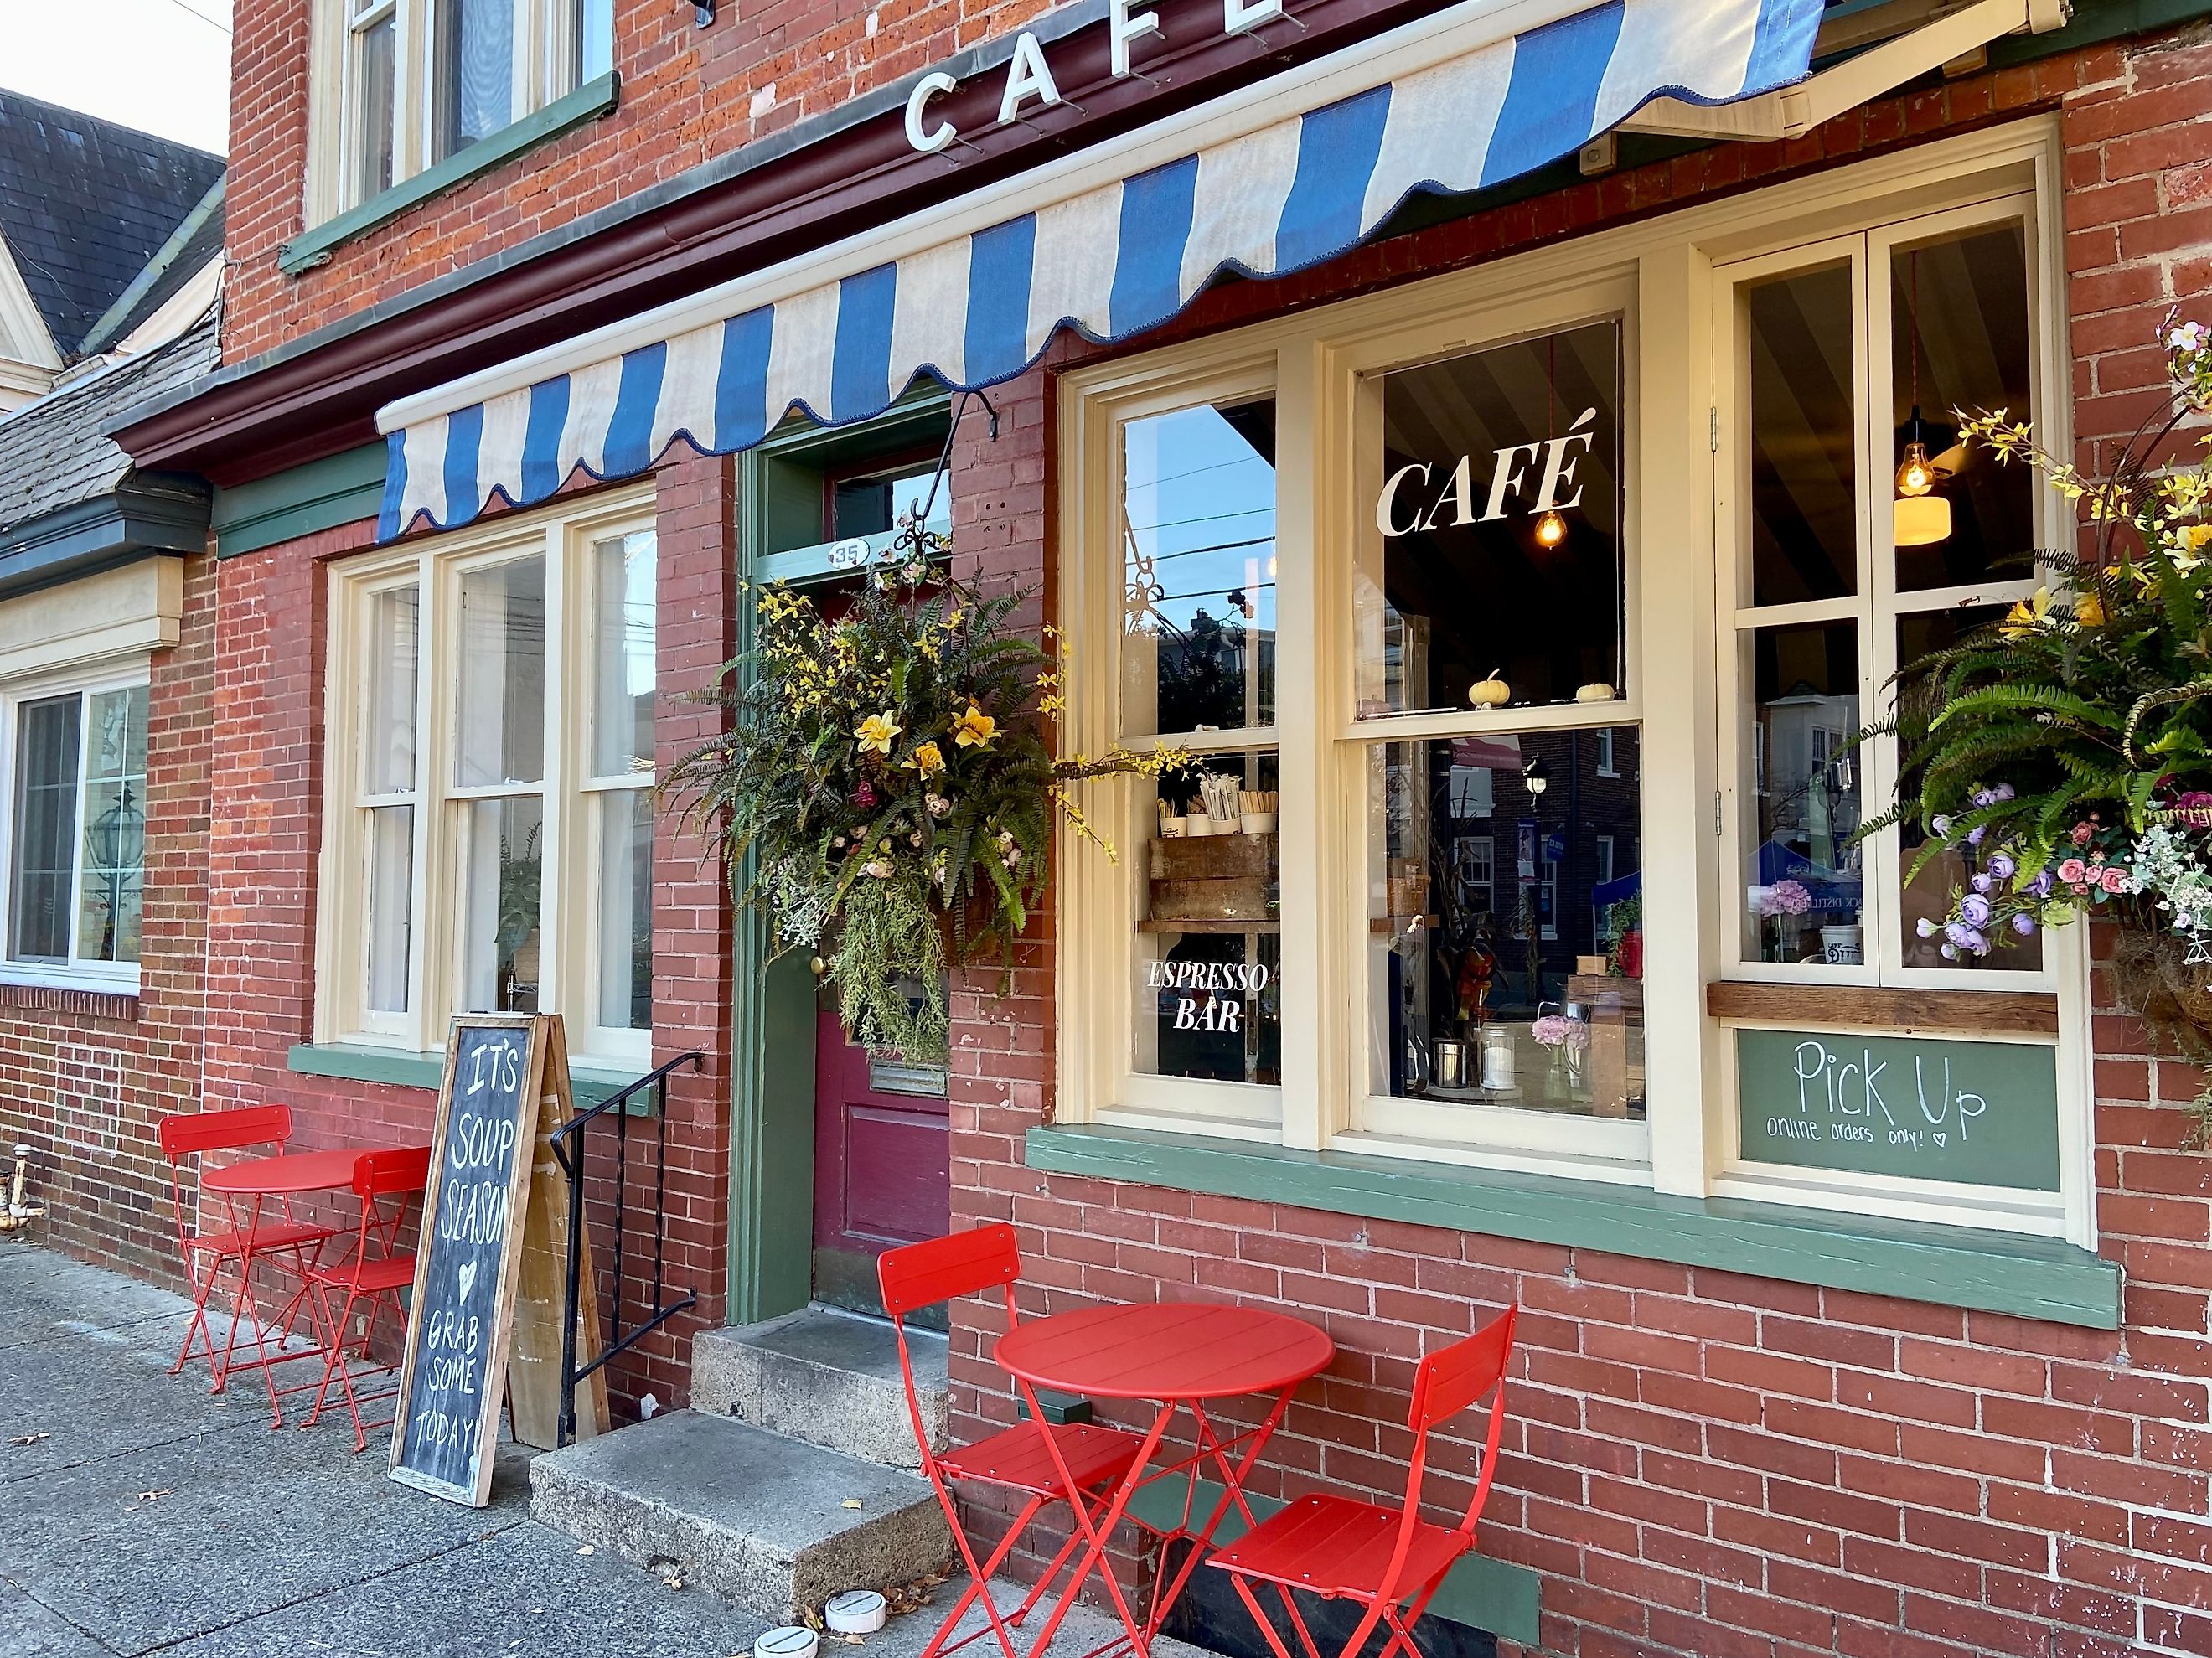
(28, 1439)
(155, 1496)
(850, 1503)
(587, 1549)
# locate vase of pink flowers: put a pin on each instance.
(1782, 908)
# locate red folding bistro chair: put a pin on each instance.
(1015, 1459)
(1391, 1562)
(369, 1276)
(208, 1254)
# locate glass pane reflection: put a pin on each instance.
(1801, 881)
(1505, 921)
(1197, 528)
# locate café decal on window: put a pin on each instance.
(1507, 487)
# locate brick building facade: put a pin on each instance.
(1701, 1457)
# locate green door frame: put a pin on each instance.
(773, 1019)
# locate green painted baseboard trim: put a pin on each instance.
(298, 501)
(1481, 1593)
(1950, 1266)
(586, 103)
(357, 1062)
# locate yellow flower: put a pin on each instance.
(975, 729)
(2090, 611)
(926, 758)
(876, 732)
(2027, 616)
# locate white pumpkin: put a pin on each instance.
(1491, 693)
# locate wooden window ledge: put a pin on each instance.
(1900, 1012)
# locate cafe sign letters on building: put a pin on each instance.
(1028, 77)
(1425, 505)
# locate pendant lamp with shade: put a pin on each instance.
(1919, 517)
(1551, 527)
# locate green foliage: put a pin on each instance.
(884, 796)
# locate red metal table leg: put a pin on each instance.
(1213, 1446)
(1095, 1534)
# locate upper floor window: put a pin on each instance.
(402, 85)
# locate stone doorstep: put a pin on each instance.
(755, 1517)
(828, 1377)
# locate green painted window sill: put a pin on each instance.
(358, 1062)
(1951, 1267)
(586, 103)
(1481, 1593)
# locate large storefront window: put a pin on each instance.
(1523, 625)
(507, 864)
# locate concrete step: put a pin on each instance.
(828, 1377)
(751, 1515)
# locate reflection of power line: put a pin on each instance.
(1217, 547)
(1209, 518)
(1202, 593)
(1177, 477)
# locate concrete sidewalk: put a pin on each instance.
(148, 1517)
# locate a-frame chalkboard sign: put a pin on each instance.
(506, 1087)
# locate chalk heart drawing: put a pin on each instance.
(468, 1278)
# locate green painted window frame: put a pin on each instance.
(587, 102)
(2032, 1277)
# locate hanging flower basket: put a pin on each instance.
(2063, 755)
(884, 797)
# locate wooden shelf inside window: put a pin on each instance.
(1232, 927)
(1968, 1012)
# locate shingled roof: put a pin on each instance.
(53, 454)
(85, 204)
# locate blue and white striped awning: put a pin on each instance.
(1109, 244)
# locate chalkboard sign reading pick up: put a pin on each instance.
(502, 1070)
(1982, 1114)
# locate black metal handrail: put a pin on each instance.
(568, 1150)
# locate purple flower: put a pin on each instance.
(1957, 931)
(1974, 911)
(1985, 798)
(2002, 865)
(2004, 791)
(1948, 952)
(1974, 834)
(2024, 925)
(1939, 826)
(1980, 882)
(864, 796)
(1976, 942)
(2041, 885)
(1925, 927)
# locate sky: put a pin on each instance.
(162, 66)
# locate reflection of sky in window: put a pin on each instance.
(1198, 523)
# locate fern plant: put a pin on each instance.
(2065, 751)
(884, 795)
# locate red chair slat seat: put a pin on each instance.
(965, 1264)
(1389, 1560)
(210, 1253)
(367, 1277)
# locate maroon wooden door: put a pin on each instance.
(883, 1167)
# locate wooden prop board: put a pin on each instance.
(506, 1088)
(533, 1367)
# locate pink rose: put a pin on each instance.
(2114, 880)
(2072, 870)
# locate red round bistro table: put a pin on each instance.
(243, 1187)
(1182, 1355)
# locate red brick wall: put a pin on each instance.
(688, 95)
(263, 866)
(1701, 1462)
(83, 1078)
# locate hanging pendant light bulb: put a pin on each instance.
(1551, 530)
(1919, 517)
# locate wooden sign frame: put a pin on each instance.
(545, 1072)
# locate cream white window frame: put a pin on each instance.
(549, 50)
(569, 931)
(119, 977)
(1665, 278)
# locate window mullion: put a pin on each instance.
(430, 933)
(76, 843)
(560, 943)
(1315, 1039)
